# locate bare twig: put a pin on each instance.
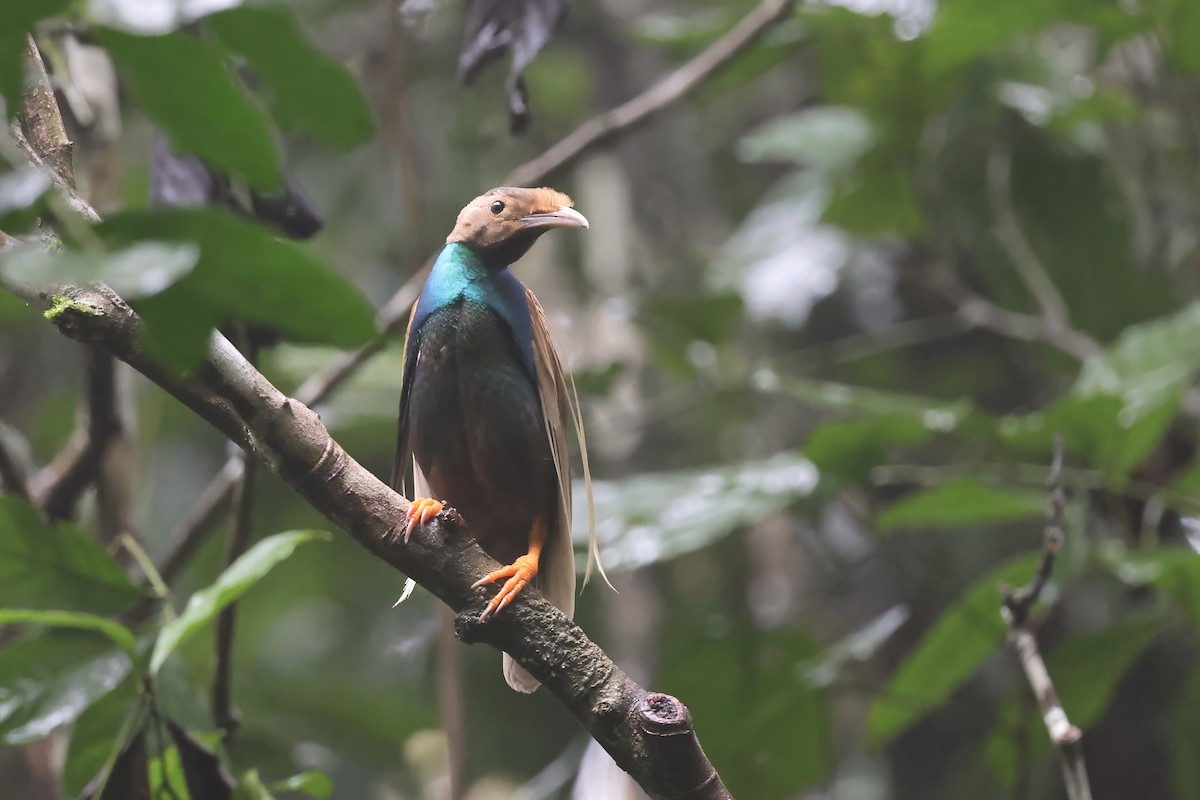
(12, 476)
(239, 536)
(1014, 241)
(43, 120)
(668, 90)
(60, 485)
(1017, 606)
(649, 735)
(392, 317)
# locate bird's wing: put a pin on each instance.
(560, 408)
(403, 456)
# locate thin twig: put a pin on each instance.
(239, 537)
(1014, 241)
(1018, 603)
(979, 312)
(649, 735)
(670, 89)
(394, 316)
(12, 476)
(60, 485)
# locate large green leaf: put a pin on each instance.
(1085, 669)
(183, 85)
(49, 680)
(75, 620)
(966, 29)
(141, 270)
(243, 273)
(312, 93)
(1124, 397)
(948, 653)
(204, 605)
(16, 19)
(57, 568)
(962, 501)
(96, 736)
(658, 516)
(849, 449)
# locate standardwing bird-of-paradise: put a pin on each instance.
(485, 405)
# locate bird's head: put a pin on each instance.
(501, 225)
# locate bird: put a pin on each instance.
(485, 405)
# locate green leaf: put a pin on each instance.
(827, 137)
(1124, 397)
(167, 778)
(961, 501)
(57, 568)
(118, 633)
(948, 653)
(313, 94)
(251, 787)
(1085, 669)
(964, 30)
(876, 197)
(16, 19)
(182, 84)
(244, 273)
(849, 449)
(141, 270)
(95, 736)
(205, 604)
(657, 516)
(313, 782)
(49, 680)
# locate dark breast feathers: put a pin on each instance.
(476, 427)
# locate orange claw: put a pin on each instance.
(420, 512)
(519, 574)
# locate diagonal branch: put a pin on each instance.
(670, 89)
(649, 735)
(392, 317)
(1014, 241)
(1018, 603)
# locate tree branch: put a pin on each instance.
(649, 735)
(670, 89)
(58, 488)
(1016, 611)
(393, 316)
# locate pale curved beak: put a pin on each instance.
(561, 217)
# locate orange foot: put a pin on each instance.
(420, 512)
(519, 574)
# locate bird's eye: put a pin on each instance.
(497, 207)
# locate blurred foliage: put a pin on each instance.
(852, 287)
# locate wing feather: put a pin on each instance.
(404, 456)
